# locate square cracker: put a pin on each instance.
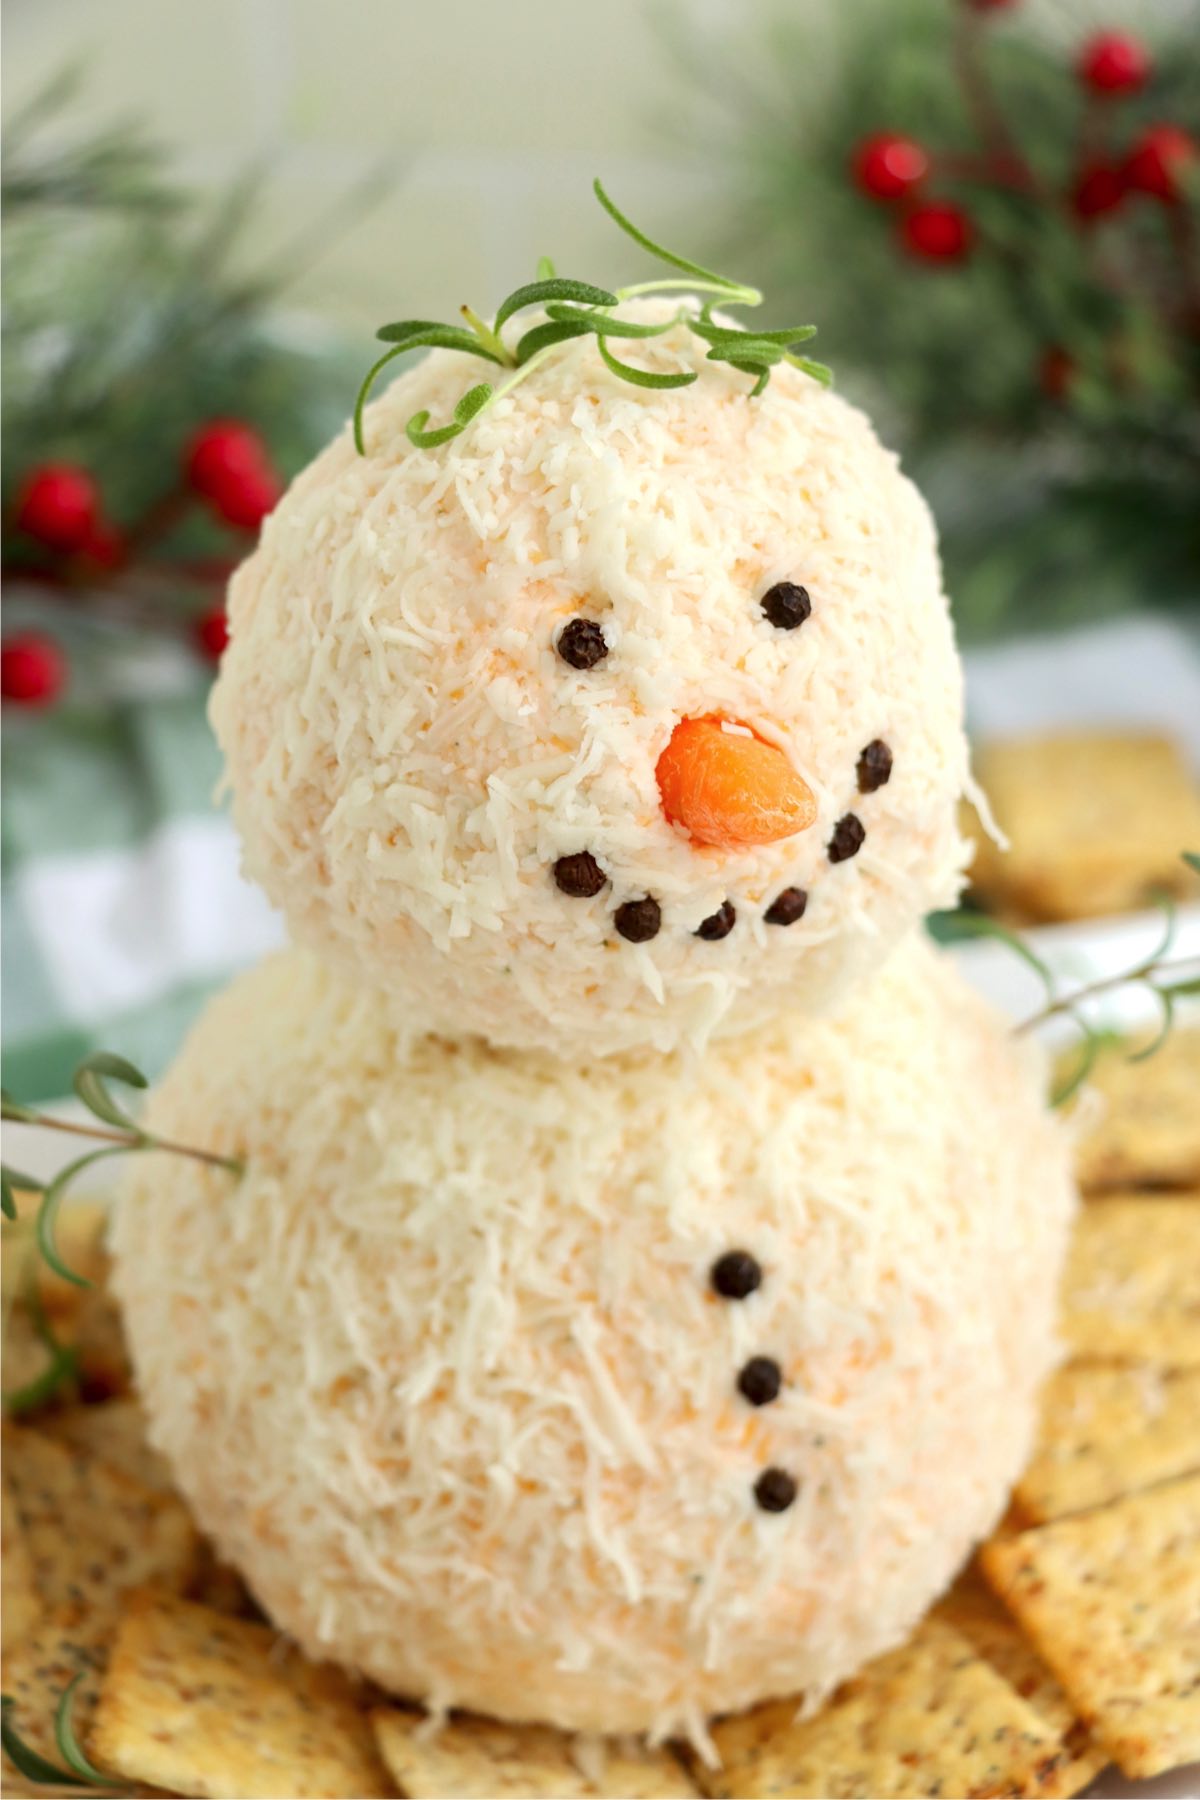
(93, 1532)
(36, 1673)
(1108, 1431)
(481, 1759)
(203, 1704)
(1112, 1601)
(116, 1431)
(1148, 1130)
(1131, 1292)
(972, 1609)
(932, 1717)
(1095, 823)
(22, 1605)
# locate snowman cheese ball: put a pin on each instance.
(627, 717)
(615, 1394)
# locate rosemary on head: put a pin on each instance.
(1167, 979)
(577, 309)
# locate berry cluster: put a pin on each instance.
(896, 170)
(226, 468)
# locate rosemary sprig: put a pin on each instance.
(1168, 980)
(63, 1361)
(79, 1773)
(578, 309)
(118, 1132)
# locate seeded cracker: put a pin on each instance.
(63, 1645)
(931, 1718)
(1130, 1290)
(92, 1532)
(1109, 1431)
(974, 1610)
(207, 1705)
(116, 1431)
(1094, 821)
(1148, 1134)
(21, 1604)
(1112, 1601)
(481, 1759)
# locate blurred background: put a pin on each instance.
(990, 208)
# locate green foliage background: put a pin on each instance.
(1050, 511)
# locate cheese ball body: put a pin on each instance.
(487, 1371)
(453, 674)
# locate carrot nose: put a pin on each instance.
(728, 788)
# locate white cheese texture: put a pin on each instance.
(445, 1376)
(409, 756)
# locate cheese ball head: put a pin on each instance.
(616, 1395)
(532, 730)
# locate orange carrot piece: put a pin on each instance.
(729, 789)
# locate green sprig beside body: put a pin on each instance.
(578, 309)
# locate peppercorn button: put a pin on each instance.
(848, 837)
(775, 1490)
(736, 1274)
(719, 924)
(580, 875)
(760, 1380)
(874, 766)
(638, 920)
(582, 643)
(786, 605)
(787, 907)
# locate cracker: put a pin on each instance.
(1131, 1292)
(203, 1704)
(1095, 823)
(1147, 1133)
(105, 1369)
(93, 1532)
(63, 1645)
(79, 1233)
(116, 1431)
(932, 1717)
(1112, 1601)
(972, 1608)
(28, 1362)
(22, 1605)
(1108, 1431)
(481, 1759)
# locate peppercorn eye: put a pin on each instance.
(582, 643)
(786, 605)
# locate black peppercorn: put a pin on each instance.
(736, 1274)
(786, 605)
(848, 836)
(874, 766)
(760, 1380)
(581, 643)
(638, 920)
(718, 924)
(787, 907)
(775, 1490)
(580, 875)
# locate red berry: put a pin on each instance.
(937, 233)
(1112, 63)
(245, 500)
(1098, 189)
(58, 505)
(104, 544)
(1158, 159)
(888, 166)
(32, 669)
(222, 450)
(212, 633)
(1055, 370)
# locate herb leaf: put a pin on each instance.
(68, 1743)
(647, 378)
(35, 1768)
(91, 1084)
(543, 337)
(10, 1180)
(472, 402)
(607, 325)
(663, 255)
(52, 1199)
(535, 293)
